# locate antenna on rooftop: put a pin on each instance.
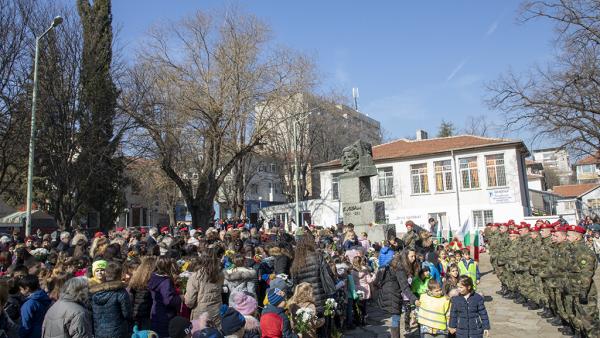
(355, 96)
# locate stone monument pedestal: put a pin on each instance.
(376, 232)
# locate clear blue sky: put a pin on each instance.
(414, 62)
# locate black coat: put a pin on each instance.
(393, 285)
(142, 304)
(111, 310)
(282, 264)
(468, 316)
(309, 273)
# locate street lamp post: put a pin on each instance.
(57, 21)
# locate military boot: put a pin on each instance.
(547, 313)
(567, 331)
(533, 306)
(510, 295)
(503, 290)
(520, 299)
(556, 321)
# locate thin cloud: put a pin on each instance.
(456, 70)
(492, 28)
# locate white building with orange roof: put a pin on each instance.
(454, 180)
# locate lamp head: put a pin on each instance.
(57, 21)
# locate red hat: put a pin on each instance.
(547, 226)
(536, 228)
(164, 229)
(511, 222)
(576, 228)
(555, 224)
(183, 229)
(514, 232)
(561, 228)
(525, 225)
(98, 234)
(229, 226)
(241, 225)
(504, 225)
(409, 223)
(143, 230)
(119, 229)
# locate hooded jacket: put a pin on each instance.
(240, 279)
(66, 318)
(111, 310)
(204, 296)
(165, 303)
(386, 254)
(32, 314)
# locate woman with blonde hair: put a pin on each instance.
(140, 295)
(303, 299)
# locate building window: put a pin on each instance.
(418, 177)
(273, 168)
(587, 168)
(335, 186)
(443, 175)
(482, 217)
(570, 205)
(386, 181)
(496, 175)
(261, 167)
(593, 203)
(469, 173)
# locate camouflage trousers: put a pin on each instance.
(537, 293)
(585, 318)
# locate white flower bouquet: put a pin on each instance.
(304, 320)
(330, 306)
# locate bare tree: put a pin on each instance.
(479, 126)
(561, 100)
(202, 92)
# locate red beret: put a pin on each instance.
(547, 226)
(183, 229)
(143, 230)
(556, 223)
(536, 229)
(514, 232)
(229, 226)
(120, 229)
(164, 229)
(98, 234)
(504, 224)
(561, 228)
(241, 225)
(576, 228)
(511, 222)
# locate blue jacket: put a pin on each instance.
(32, 314)
(111, 310)
(468, 316)
(386, 254)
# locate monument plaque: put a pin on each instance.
(358, 207)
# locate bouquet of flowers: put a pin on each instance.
(40, 253)
(330, 306)
(304, 320)
(182, 281)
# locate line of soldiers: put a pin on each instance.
(548, 267)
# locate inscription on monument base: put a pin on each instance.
(364, 213)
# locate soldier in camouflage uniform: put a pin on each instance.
(490, 234)
(535, 290)
(521, 264)
(540, 267)
(582, 298)
(510, 255)
(556, 275)
(501, 242)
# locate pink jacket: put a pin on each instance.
(362, 281)
(364, 242)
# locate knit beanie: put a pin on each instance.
(179, 327)
(245, 304)
(231, 320)
(274, 297)
(100, 264)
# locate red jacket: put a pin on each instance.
(274, 323)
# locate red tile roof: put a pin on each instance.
(592, 159)
(574, 190)
(414, 148)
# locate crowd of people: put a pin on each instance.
(548, 267)
(234, 280)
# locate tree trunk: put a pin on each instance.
(171, 213)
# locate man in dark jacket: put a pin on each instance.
(111, 306)
(34, 309)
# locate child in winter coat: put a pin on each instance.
(468, 316)
(433, 312)
(363, 278)
(419, 283)
(274, 323)
(34, 308)
(111, 305)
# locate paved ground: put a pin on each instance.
(507, 319)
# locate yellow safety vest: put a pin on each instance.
(433, 311)
(471, 272)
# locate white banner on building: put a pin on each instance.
(503, 195)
